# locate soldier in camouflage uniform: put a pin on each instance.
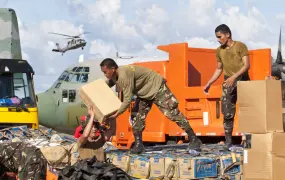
(149, 87)
(25, 160)
(232, 58)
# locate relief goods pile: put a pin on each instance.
(55, 150)
(176, 163)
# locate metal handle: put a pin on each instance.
(217, 109)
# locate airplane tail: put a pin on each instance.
(9, 33)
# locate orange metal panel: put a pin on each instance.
(186, 72)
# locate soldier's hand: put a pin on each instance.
(206, 89)
(114, 116)
(229, 82)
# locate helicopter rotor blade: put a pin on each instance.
(61, 34)
(82, 34)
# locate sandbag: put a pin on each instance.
(91, 169)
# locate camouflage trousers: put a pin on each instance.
(167, 104)
(229, 99)
(25, 160)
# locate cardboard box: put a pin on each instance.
(263, 166)
(227, 160)
(260, 106)
(270, 143)
(121, 161)
(139, 167)
(98, 93)
(266, 158)
(157, 166)
(171, 161)
(60, 155)
(231, 177)
(198, 167)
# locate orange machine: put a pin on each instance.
(187, 71)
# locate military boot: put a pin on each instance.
(228, 142)
(228, 127)
(138, 145)
(194, 141)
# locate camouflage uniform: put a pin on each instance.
(166, 102)
(229, 99)
(26, 160)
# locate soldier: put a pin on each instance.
(149, 87)
(232, 58)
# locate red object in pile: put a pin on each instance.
(77, 133)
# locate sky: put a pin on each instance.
(136, 28)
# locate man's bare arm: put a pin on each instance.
(246, 66)
(217, 73)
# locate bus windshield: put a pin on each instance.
(16, 88)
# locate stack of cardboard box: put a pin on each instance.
(260, 114)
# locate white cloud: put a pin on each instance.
(136, 29)
(102, 49)
(201, 42)
(202, 9)
(153, 22)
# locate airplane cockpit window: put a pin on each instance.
(75, 78)
(64, 96)
(68, 95)
(84, 78)
(63, 75)
(76, 75)
(69, 77)
(86, 69)
(57, 85)
(79, 69)
(72, 95)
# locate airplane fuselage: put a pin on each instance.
(61, 107)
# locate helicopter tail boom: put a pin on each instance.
(58, 48)
(55, 50)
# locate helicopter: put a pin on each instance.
(75, 43)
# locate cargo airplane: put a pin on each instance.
(60, 106)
